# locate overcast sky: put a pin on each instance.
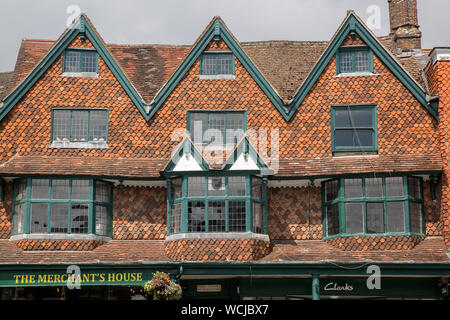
(181, 22)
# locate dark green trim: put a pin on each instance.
(374, 127)
(81, 25)
(2, 189)
(185, 146)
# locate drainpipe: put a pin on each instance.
(315, 287)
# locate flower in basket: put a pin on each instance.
(161, 287)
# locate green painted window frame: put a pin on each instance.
(71, 122)
(206, 198)
(209, 112)
(354, 49)
(81, 51)
(340, 201)
(217, 54)
(374, 127)
(92, 203)
(2, 189)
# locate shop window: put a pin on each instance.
(373, 205)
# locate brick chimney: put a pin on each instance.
(404, 25)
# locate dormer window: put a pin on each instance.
(354, 60)
(217, 64)
(80, 62)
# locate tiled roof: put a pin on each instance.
(285, 64)
(151, 167)
(5, 78)
(432, 249)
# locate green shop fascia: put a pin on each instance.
(245, 280)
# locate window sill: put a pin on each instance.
(367, 235)
(348, 154)
(355, 74)
(59, 236)
(80, 74)
(79, 145)
(217, 235)
(218, 76)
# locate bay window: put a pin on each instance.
(217, 204)
(373, 205)
(68, 206)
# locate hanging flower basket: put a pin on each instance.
(161, 287)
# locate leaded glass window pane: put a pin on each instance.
(175, 190)
(375, 217)
(60, 189)
(39, 217)
(236, 186)
(343, 138)
(101, 220)
(258, 218)
(225, 63)
(208, 64)
(257, 187)
(216, 216)
(102, 191)
(374, 187)
(98, 125)
(198, 126)
(80, 189)
(89, 61)
(61, 125)
(216, 186)
(415, 217)
(414, 187)
(59, 217)
(196, 216)
(394, 187)
(354, 217)
(80, 217)
(395, 213)
(353, 188)
(235, 128)
(196, 186)
(72, 61)
(39, 189)
(80, 126)
(175, 218)
(361, 60)
(332, 217)
(237, 216)
(346, 61)
(19, 214)
(20, 190)
(331, 190)
(216, 128)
